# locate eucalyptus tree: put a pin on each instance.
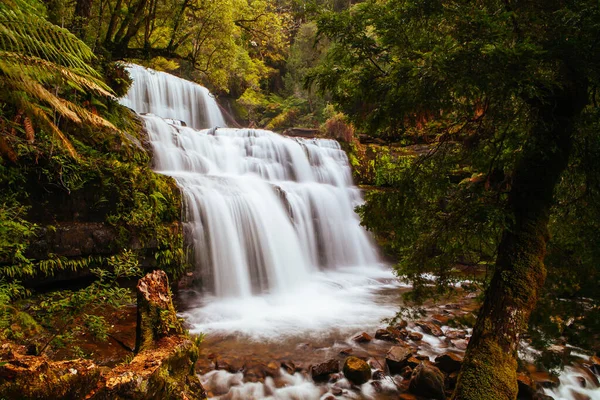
(505, 94)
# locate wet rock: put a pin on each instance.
(427, 381)
(430, 328)
(402, 325)
(581, 380)
(413, 362)
(222, 364)
(356, 370)
(378, 375)
(321, 372)
(440, 319)
(544, 379)
(460, 344)
(385, 334)
(362, 338)
(527, 387)
(36, 377)
(397, 358)
(346, 352)
(595, 364)
(448, 362)
(579, 396)
(415, 336)
(455, 334)
(289, 367)
(541, 396)
(406, 372)
(335, 377)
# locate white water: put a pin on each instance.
(171, 97)
(271, 218)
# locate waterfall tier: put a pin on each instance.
(263, 210)
(171, 97)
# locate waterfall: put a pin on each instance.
(263, 211)
(171, 97)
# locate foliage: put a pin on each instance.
(41, 66)
(60, 310)
(480, 86)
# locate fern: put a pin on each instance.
(38, 60)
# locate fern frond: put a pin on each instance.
(35, 56)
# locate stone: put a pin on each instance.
(527, 387)
(595, 364)
(427, 381)
(362, 338)
(455, 334)
(415, 336)
(544, 379)
(430, 328)
(346, 352)
(321, 372)
(385, 334)
(402, 324)
(356, 370)
(289, 367)
(397, 358)
(448, 362)
(440, 319)
(413, 362)
(378, 375)
(406, 372)
(460, 344)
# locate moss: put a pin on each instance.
(488, 373)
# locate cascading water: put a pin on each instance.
(263, 211)
(171, 97)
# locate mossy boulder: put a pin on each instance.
(356, 370)
(427, 381)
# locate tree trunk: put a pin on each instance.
(156, 316)
(490, 363)
(83, 11)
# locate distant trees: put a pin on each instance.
(506, 94)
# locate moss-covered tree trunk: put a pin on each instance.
(156, 316)
(490, 363)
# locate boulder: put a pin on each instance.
(402, 324)
(385, 334)
(427, 381)
(356, 370)
(544, 379)
(362, 338)
(397, 358)
(415, 336)
(430, 328)
(448, 362)
(455, 334)
(460, 344)
(321, 372)
(527, 387)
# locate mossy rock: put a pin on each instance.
(356, 370)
